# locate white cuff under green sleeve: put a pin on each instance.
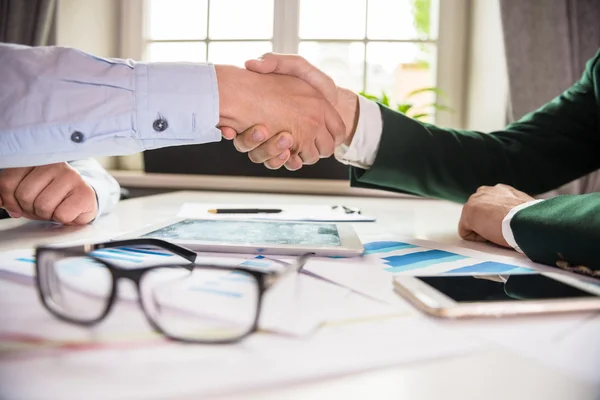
(362, 151)
(507, 230)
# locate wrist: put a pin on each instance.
(349, 111)
(229, 85)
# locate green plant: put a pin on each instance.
(408, 107)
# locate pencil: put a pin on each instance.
(245, 211)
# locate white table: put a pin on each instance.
(493, 373)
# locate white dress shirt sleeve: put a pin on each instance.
(108, 190)
(59, 104)
(362, 151)
(506, 228)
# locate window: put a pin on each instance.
(376, 46)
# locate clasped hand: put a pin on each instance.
(284, 111)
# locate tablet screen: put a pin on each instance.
(251, 232)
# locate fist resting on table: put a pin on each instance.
(54, 192)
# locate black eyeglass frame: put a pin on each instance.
(265, 280)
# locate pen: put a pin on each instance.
(245, 211)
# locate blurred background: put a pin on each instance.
(445, 61)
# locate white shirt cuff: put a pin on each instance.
(362, 151)
(507, 230)
(108, 190)
(184, 95)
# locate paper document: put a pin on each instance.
(316, 213)
(387, 256)
(118, 360)
(566, 342)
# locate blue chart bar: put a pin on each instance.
(423, 259)
(144, 251)
(386, 247)
(123, 252)
(256, 263)
(490, 267)
(107, 255)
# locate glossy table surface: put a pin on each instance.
(491, 373)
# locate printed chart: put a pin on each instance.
(400, 257)
(387, 256)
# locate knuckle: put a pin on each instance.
(6, 186)
(24, 196)
(44, 210)
(62, 215)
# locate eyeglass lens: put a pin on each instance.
(202, 304)
(76, 287)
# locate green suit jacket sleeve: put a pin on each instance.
(545, 149)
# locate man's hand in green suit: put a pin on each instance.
(482, 215)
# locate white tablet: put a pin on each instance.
(258, 237)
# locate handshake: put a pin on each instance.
(283, 111)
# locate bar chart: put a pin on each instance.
(405, 258)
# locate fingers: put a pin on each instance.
(251, 138)
(77, 208)
(10, 179)
(279, 161)
(294, 163)
(309, 155)
(42, 193)
(228, 133)
(294, 65)
(50, 198)
(272, 148)
(465, 231)
(33, 184)
(325, 145)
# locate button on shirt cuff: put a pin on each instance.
(362, 151)
(507, 230)
(176, 102)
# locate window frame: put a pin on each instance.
(451, 46)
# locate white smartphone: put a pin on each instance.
(451, 296)
(257, 237)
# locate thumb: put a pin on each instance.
(294, 65)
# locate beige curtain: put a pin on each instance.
(547, 44)
(27, 22)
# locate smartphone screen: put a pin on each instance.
(464, 289)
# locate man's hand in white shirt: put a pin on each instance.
(283, 104)
(487, 213)
(54, 192)
(344, 101)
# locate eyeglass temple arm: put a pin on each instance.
(163, 244)
(181, 251)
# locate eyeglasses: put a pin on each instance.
(184, 301)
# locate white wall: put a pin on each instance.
(91, 26)
(487, 80)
